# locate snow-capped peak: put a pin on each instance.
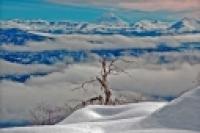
(186, 24)
(111, 19)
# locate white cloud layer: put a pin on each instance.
(56, 88)
(8, 68)
(84, 42)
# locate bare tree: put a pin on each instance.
(46, 115)
(108, 67)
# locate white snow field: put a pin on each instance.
(179, 116)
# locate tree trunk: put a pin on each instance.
(108, 95)
(107, 91)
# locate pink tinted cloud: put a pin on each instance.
(146, 5)
(153, 5)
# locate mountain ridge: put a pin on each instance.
(108, 24)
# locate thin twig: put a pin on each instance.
(83, 84)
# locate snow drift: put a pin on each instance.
(179, 116)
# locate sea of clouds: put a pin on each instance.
(146, 75)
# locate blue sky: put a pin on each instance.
(39, 9)
(55, 11)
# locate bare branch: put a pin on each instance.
(101, 82)
(84, 84)
(110, 69)
(128, 61)
(120, 70)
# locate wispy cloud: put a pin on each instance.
(145, 5)
(153, 5)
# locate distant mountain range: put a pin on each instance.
(106, 25)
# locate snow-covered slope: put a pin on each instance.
(179, 116)
(182, 113)
(147, 25)
(85, 129)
